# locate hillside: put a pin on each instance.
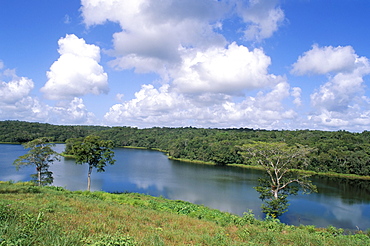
(31, 215)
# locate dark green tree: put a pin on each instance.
(280, 161)
(95, 152)
(41, 155)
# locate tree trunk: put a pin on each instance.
(89, 178)
(38, 175)
(275, 192)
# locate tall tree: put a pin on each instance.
(280, 162)
(41, 155)
(95, 152)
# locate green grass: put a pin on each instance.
(31, 215)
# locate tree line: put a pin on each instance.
(337, 151)
(280, 153)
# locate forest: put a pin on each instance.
(335, 151)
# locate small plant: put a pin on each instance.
(110, 240)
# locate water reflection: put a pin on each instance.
(340, 202)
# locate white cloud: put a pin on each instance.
(203, 77)
(67, 19)
(72, 112)
(263, 18)
(155, 34)
(340, 102)
(76, 72)
(17, 102)
(224, 70)
(15, 90)
(153, 31)
(166, 107)
(15, 99)
(296, 93)
(149, 106)
(27, 108)
(322, 60)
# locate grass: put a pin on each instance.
(31, 215)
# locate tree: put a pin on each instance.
(281, 162)
(41, 155)
(95, 152)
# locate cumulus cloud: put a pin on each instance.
(296, 93)
(17, 102)
(153, 31)
(263, 18)
(155, 34)
(340, 102)
(71, 112)
(322, 60)
(165, 106)
(203, 76)
(224, 70)
(15, 99)
(149, 106)
(16, 89)
(77, 71)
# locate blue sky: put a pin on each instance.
(269, 64)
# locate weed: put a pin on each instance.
(109, 240)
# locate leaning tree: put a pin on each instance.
(281, 163)
(41, 155)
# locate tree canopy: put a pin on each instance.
(338, 151)
(93, 151)
(280, 162)
(41, 155)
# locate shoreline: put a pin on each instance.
(327, 174)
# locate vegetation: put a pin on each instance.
(40, 155)
(32, 215)
(279, 160)
(93, 151)
(336, 152)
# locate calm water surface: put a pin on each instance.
(340, 202)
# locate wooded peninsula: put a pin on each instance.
(335, 152)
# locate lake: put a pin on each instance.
(340, 202)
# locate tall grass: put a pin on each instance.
(31, 215)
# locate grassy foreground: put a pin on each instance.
(31, 215)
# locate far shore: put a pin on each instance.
(311, 173)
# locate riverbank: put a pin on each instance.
(33, 215)
(327, 174)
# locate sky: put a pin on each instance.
(262, 64)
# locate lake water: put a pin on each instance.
(340, 202)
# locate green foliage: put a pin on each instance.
(93, 151)
(21, 131)
(279, 159)
(275, 207)
(340, 152)
(40, 155)
(110, 240)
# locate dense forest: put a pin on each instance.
(339, 151)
